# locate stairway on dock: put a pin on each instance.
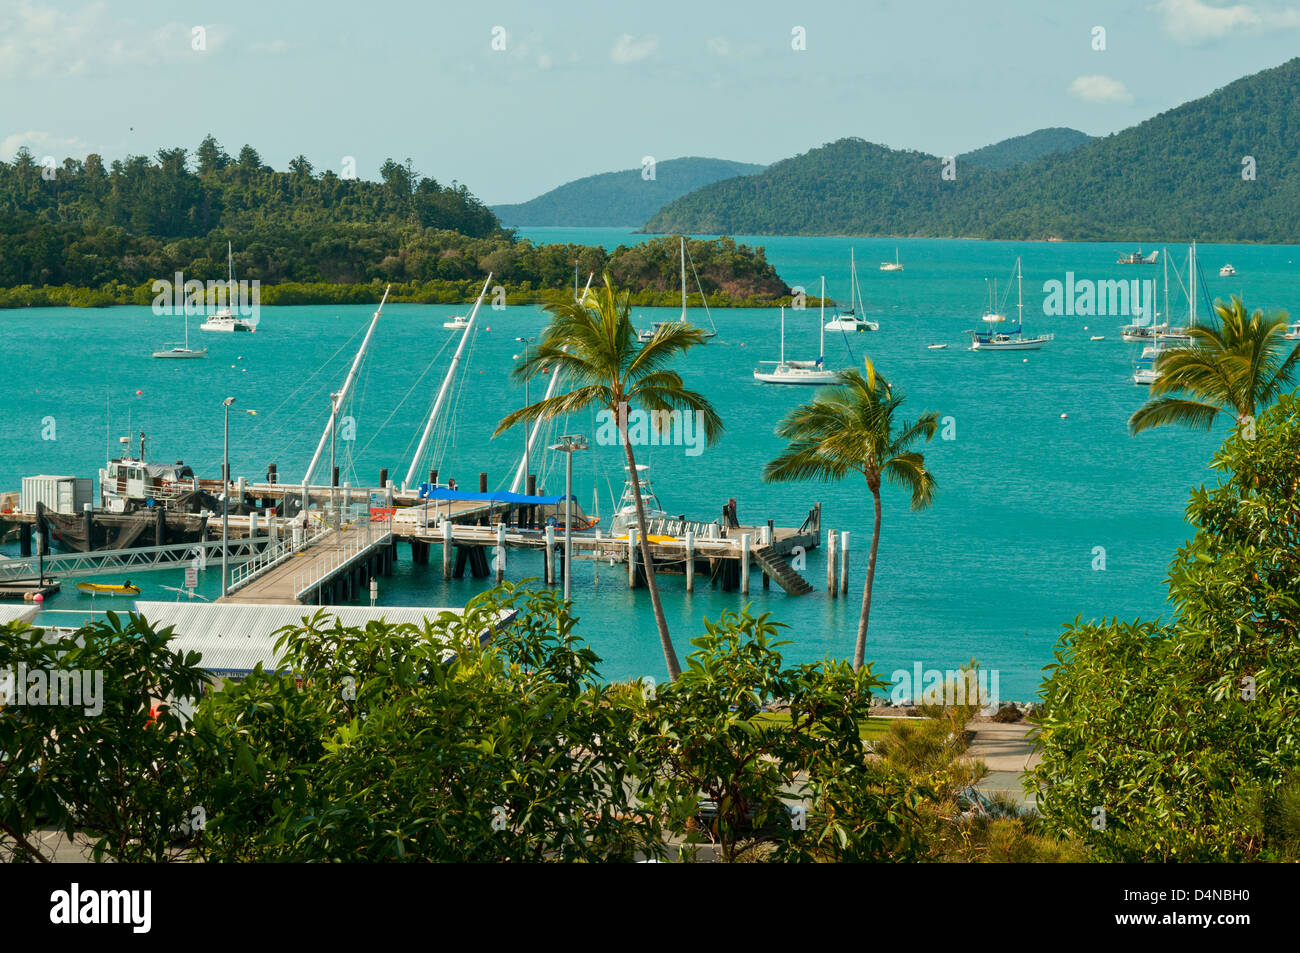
(775, 565)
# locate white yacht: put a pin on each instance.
(457, 323)
(225, 319)
(1227, 271)
(1144, 371)
(812, 373)
(1293, 331)
(849, 320)
(891, 265)
(644, 336)
(625, 510)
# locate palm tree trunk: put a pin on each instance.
(860, 650)
(670, 654)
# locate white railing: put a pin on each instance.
(358, 540)
(274, 554)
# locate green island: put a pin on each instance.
(82, 234)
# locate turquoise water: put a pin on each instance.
(992, 571)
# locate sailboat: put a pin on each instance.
(1140, 332)
(800, 372)
(849, 320)
(1180, 336)
(891, 265)
(225, 320)
(1144, 370)
(646, 334)
(177, 351)
(1010, 340)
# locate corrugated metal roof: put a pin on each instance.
(22, 613)
(233, 637)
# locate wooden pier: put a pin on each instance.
(334, 565)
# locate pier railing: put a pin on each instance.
(275, 554)
(143, 559)
(358, 539)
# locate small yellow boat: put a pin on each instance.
(106, 589)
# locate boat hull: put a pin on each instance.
(816, 379)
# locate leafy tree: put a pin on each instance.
(851, 427)
(594, 345)
(1236, 367)
(1177, 741)
(116, 768)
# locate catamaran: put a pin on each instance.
(1012, 339)
(891, 265)
(225, 320)
(645, 335)
(849, 320)
(800, 372)
(177, 351)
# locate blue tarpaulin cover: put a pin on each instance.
(428, 492)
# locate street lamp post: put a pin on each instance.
(569, 445)
(225, 502)
(334, 416)
(225, 497)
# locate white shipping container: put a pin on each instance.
(63, 494)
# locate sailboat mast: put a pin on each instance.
(1020, 301)
(551, 388)
(446, 386)
(821, 323)
(1191, 266)
(1166, 289)
(782, 335)
(344, 391)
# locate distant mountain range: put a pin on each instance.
(1224, 167)
(617, 199)
(1021, 149)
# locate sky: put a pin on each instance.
(513, 99)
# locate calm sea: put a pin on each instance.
(1040, 480)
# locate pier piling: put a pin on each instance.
(501, 551)
(690, 561)
(631, 558)
(832, 551)
(548, 573)
(744, 564)
(446, 549)
(844, 563)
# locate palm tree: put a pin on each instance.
(1239, 366)
(593, 343)
(849, 427)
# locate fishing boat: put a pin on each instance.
(181, 351)
(812, 373)
(645, 335)
(936, 347)
(225, 320)
(458, 323)
(1012, 339)
(1097, 337)
(891, 265)
(107, 589)
(625, 509)
(1137, 258)
(849, 320)
(1227, 271)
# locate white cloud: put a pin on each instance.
(42, 41)
(1100, 89)
(630, 49)
(42, 144)
(1195, 21)
(274, 46)
(719, 46)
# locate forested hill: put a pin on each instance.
(102, 234)
(618, 199)
(1021, 149)
(1221, 168)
